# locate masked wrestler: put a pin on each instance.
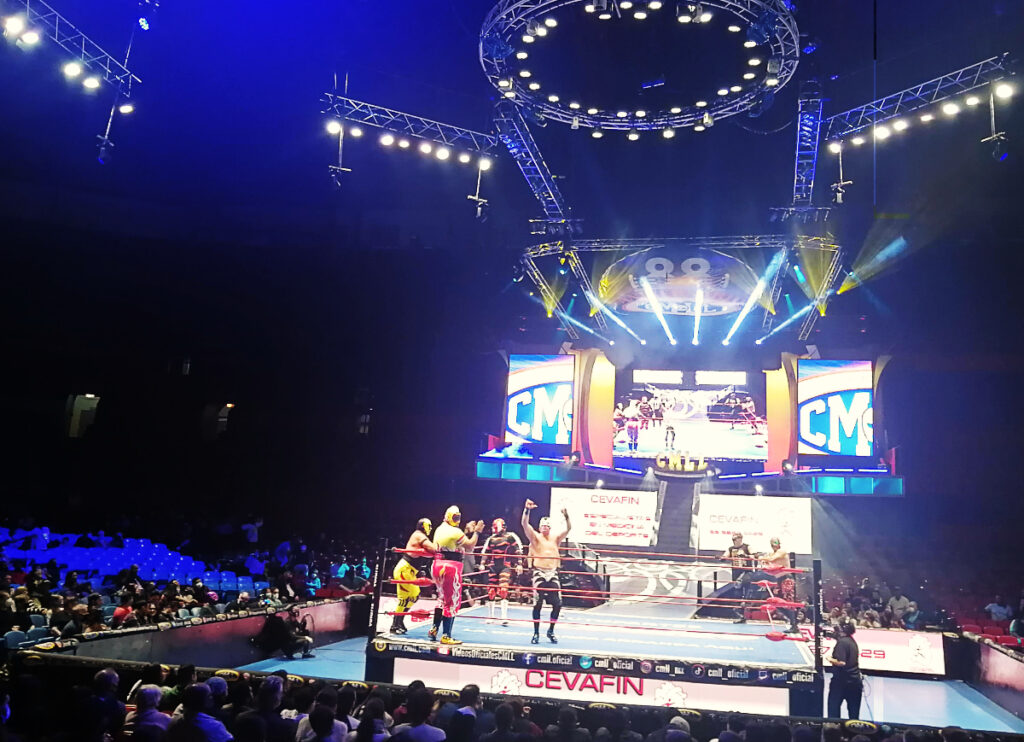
(502, 553)
(447, 570)
(546, 560)
(409, 568)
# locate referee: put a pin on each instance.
(846, 682)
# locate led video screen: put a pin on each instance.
(835, 415)
(538, 405)
(715, 415)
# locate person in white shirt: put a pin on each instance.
(899, 603)
(328, 698)
(998, 610)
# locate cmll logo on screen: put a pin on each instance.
(835, 411)
(539, 403)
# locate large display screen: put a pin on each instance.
(607, 517)
(835, 415)
(538, 406)
(715, 415)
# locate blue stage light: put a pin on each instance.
(613, 317)
(698, 308)
(144, 23)
(787, 323)
(799, 274)
(656, 308)
(762, 283)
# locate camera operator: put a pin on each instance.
(846, 684)
(298, 634)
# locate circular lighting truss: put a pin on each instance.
(511, 22)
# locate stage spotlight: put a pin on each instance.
(882, 132)
(485, 163)
(574, 106)
(698, 308)
(639, 14)
(703, 17)
(683, 13)
(14, 25)
(622, 114)
(597, 133)
(72, 70)
(972, 100)
(589, 7)
(701, 104)
(91, 83)
(550, 22)
(553, 98)
(735, 89)
(442, 153)
(748, 44)
(699, 127)
(668, 132)
(504, 83)
(355, 131)
(534, 86)
(734, 28)
(640, 114)
(465, 157)
(426, 148)
(950, 108)
(723, 91)
(404, 143)
(625, 4)
(126, 108)
(525, 73)
(528, 39)
(387, 139)
(771, 82)
(334, 127)
(510, 94)
(592, 111)
(754, 61)
(1004, 90)
(144, 23)
(676, 110)
(835, 147)
(758, 489)
(857, 141)
(749, 75)
(654, 5)
(926, 117)
(29, 38)
(521, 55)
(541, 31)
(633, 135)
(606, 16)
(900, 124)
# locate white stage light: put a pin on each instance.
(972, 100)
(597, 133)
(541, 31)
(387, 139)
(857, 141)
(525, 73)
(553, 98)
(668, 133)
(504, 83)
(465, 157)
(72, 70)
(723, 91)
(882, 132)
(510, 94)
(521, 55)
(550, 22)
(926, 117)
(699, 127)
(950, 108)
(704, 17)
(835, 147)
(592, 111)
(30, 38)
(675, 109)
(900, 124)
(91, 82)
(641, 113)
(574, 106)
(771, 82)
(485, 163)
(734, 28)
(754, 61)
(749, 44)
(404, 143)
(528, 39)
(701, 104)
(639, 14)
(654, 5)
(443, 153)
(735, 88)
(14, 25)
(426, 148)
(1004, 90)
(626, 4)
(334, 127)
(622, 114)
(534, 86)
(749, 75)
(126, 108)
(589, 7)
(355, 131)
(633, 135)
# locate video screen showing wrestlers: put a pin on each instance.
(717, 415)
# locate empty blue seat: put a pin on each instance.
(14, 638)
(37, 620)
(183, 613)
(39, 633)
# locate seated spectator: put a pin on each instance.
(670, 723)
(322, 725)
(76, 626)
(522, 724)
(869, 620)
(37, 583)
(998, 610)
(567, 729)
(183, 678)
(241, 603)
(72, 585)
(504, 726)
(913, 619)
(347, 702)
(147, 698)
(94, 622)
(416, 728)
(123, 612)
(60, 612)
(898, 603)
(327, 699)
(153, 674)
(470, 719)
(399, 713)
(102, 714)
(239, 701)
(218, 696)
(302, 699)
(268, 700)
(195, 722)
(617, 729)
(889, 620)
(128, 578)
(371, 726)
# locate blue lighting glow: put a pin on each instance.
(799, 274)
(762, 283)
(786, 324)
(613, 316)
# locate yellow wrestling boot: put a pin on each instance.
(448, 640)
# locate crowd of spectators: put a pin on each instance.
(52, 599)
(161, 706)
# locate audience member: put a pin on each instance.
(195, 723)
(147, 699)
(898, 603)
(998, 610)
(416, 728)
(268, 700)
(371, 726)
(327, 698)
(567, 729)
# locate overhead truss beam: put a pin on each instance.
(368, 114)
(515, 135)
(808, 129)
(917, 97)
(82, 49)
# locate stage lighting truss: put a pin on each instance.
(510, 22)
(96, 64)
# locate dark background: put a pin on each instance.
(215, 236)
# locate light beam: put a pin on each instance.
(656, 308)
(698, 308)
(755, 295)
